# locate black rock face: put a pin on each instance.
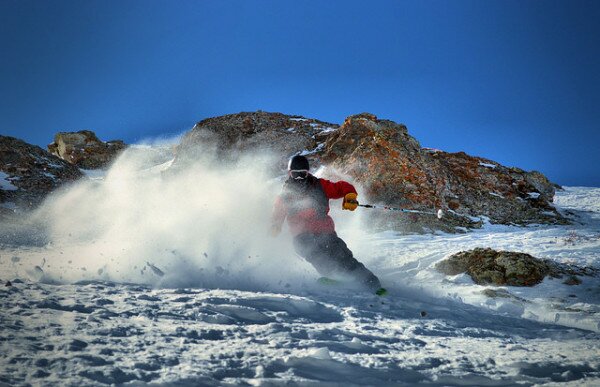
(29, 173)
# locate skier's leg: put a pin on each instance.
(330, 255)
(313, 248)
(343, 259)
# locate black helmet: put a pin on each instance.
(298, 163)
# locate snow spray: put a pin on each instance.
(200, 223)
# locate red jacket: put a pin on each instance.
(306, 204)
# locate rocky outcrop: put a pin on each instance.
(280, 134)
(490, 267)
(389, 164)
(477, 186)
(84, 149)
(28, 173)
(395, 169)
(391, 167)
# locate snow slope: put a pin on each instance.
(408, 262)
(97, 308)
(102, 333)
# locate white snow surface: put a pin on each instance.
(318, 148)
(94, 174)
(176, 301)
(5, 183)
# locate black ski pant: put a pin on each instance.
(330, 255)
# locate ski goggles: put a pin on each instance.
(299, 174)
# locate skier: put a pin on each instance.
(304, 201)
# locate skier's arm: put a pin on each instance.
(338, 189)
(341, 189)
(278, 216)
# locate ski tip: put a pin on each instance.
(381, 292)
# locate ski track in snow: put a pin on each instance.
(99, 332)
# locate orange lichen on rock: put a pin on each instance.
(390, 166)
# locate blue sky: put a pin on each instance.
(514, 81)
